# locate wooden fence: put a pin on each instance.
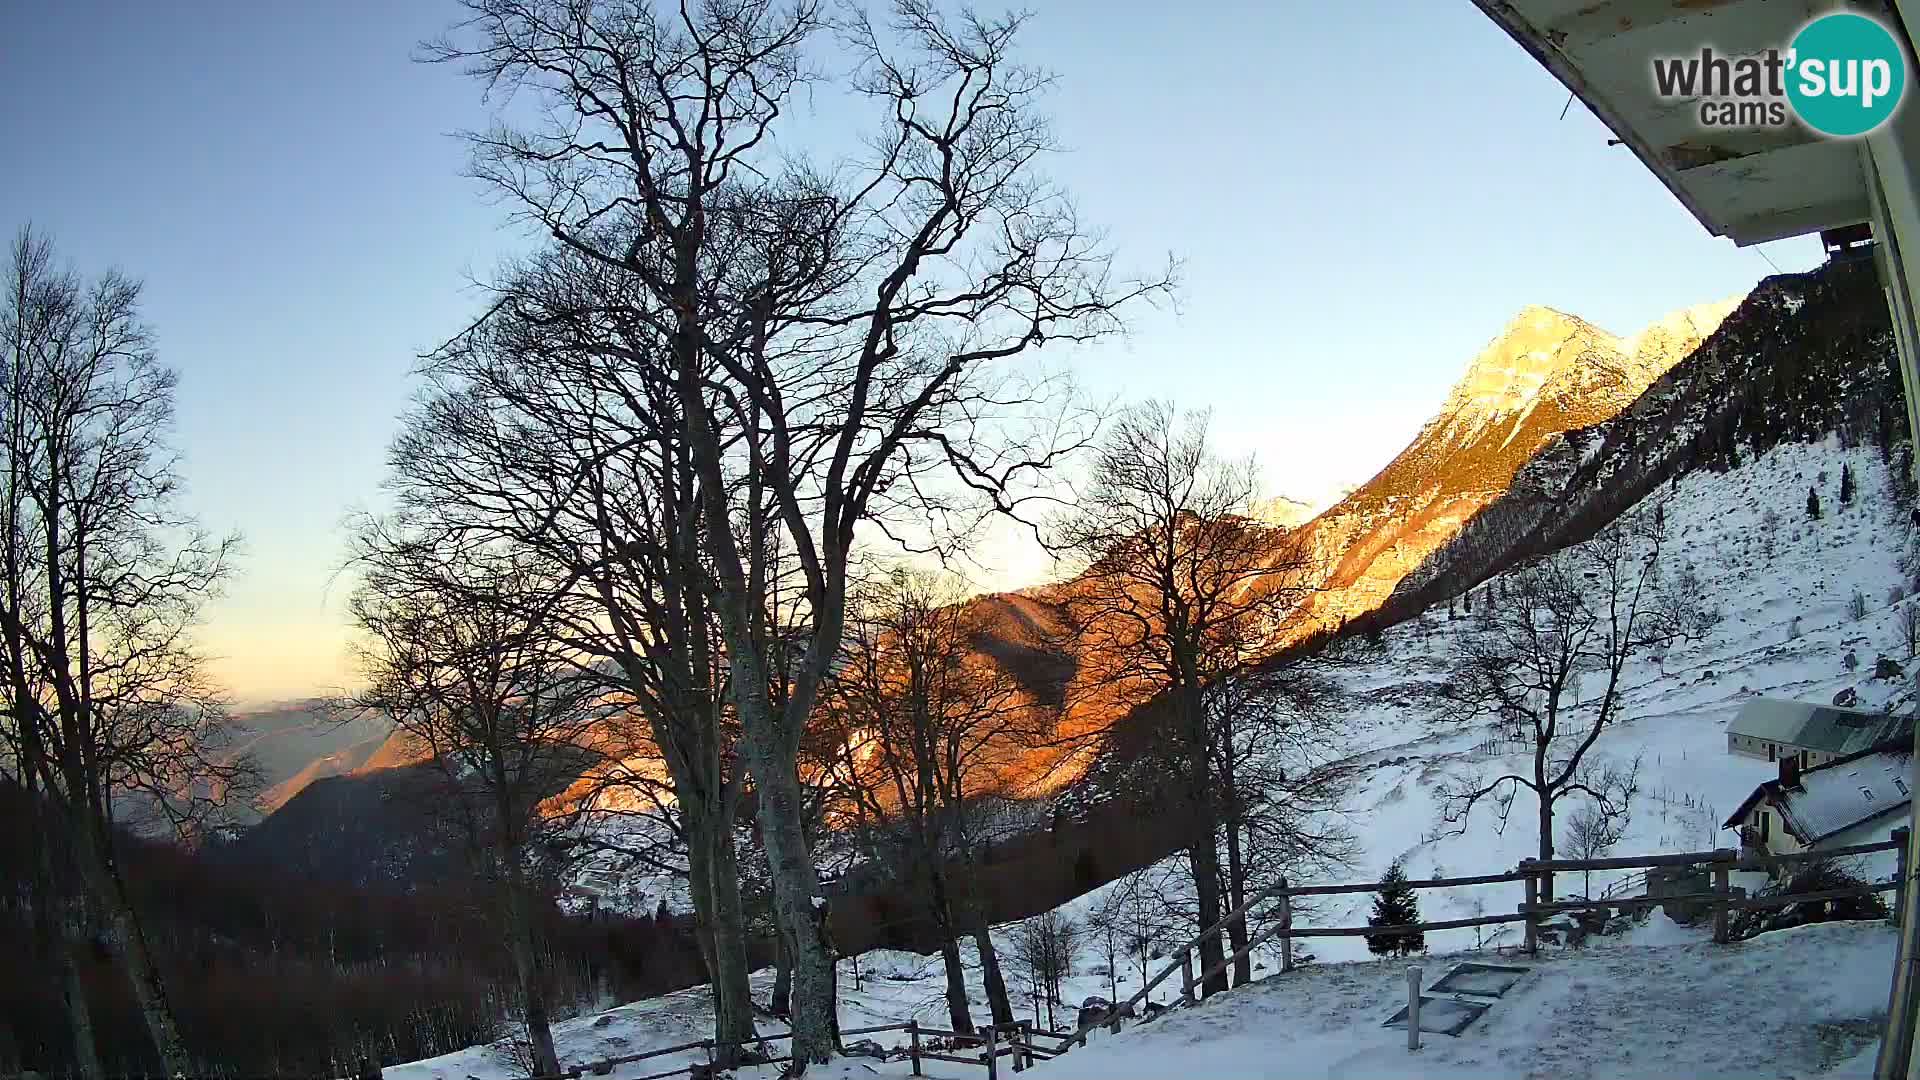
(1532, 912)
(1020, 1043)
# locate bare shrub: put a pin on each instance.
(1046, 946)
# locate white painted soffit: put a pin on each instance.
(1751, 185)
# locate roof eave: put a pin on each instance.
(1533, 40)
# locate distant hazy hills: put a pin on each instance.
(297, 742)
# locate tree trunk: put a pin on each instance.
(700, 892)
(61, 921)
(149, 989)
(1203, 853)
(958, 1013)
(714, 884)
(58, 915)
(732, 994)
(790, 865)
(1236, 896)
(528, 969)
(1546, 844)
(73, 997)
(998, 1002)
(782, 1003)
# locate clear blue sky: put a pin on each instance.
(1363, 193)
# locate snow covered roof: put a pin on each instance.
(1836, 796)
(1752, 185)
(1826, 728)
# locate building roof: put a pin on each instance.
(1829, 729)
(1837, 796)
(1749, 184)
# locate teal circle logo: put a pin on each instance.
(1846, 74)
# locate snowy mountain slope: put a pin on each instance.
(1545, 374)
(1802, 357)
(1746, 534)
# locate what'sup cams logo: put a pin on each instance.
(1842, 75)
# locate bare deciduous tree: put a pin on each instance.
(1182, 589)
(529, 437)
(832, 339)
(1581, 612)
(107, 705)
(461, 656)
(925, 725)
(1277, 752)
(1592, 830)
(1046, 947)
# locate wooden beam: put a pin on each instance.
(1598, 22)
(1733, 145)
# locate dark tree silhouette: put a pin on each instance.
(1182, 588)
(1394, 906)
(836, 341)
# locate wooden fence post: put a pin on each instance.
(1413, 1007)
(1900, 836)
(913, 1036)
(1527, 908)
(1186, 975)
(1286, 927)
(993, 1053)
(1722, 893)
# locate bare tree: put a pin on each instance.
(1592, 830)
(529, 438)
(832, 339)
(1578, 613)
(460, 656)
(1047, 946)
(1277, 754)
(1182, 588)
(107, 703)
(925, 725)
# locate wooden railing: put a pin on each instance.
(1020, 1042)
(1532, 912)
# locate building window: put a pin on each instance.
(1766, 825)
(1901, 784)
(1772, 752)
(1866, 793)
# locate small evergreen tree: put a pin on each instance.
(1813, 505)
(1395, 906)
(1846, 484)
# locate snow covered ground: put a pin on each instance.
(1789, 1004)
(1663, 1001)
(1783, 585)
